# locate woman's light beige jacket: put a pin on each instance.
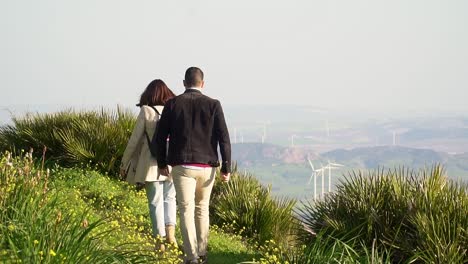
(137, 159)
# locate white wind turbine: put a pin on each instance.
(396, 134)
(327, 128)
(314, 176)
(322, 169)
(235, 135)
(331, 166)
(264, 127)
(264, 133)
(292, 140)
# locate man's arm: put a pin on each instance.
(159, 140)
(222, 134)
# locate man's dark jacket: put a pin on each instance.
(195, 126)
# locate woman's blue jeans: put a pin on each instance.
(162, 205)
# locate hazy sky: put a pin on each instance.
(327, 53)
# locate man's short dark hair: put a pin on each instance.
(193, 77)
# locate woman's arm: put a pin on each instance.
(135, 138)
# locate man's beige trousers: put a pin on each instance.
(193, 188)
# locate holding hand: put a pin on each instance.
(225, 177)
(123, 173)
(164, 171)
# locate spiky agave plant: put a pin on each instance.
(410, 215)
(439, 220)
(36, 131)
(99, 138)
(96, 138)
(250, 207)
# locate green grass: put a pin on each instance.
(35, 228)
(83, 216)
(127, 209)
(228, 248)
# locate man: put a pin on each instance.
(195, 125)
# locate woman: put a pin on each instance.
(141, 168)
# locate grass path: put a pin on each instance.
(126, 210)
(228, 249)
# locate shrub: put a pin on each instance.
(409, 216)
(96, 138)
(249, 208)
(33, 229)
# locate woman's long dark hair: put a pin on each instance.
(157, 93)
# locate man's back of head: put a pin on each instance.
(193, 78)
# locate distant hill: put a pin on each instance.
(254, 154)
(288, 171)
(389, 156)
(416, 134)
(460, 161)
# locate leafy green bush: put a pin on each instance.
(96, 138)
(409, 216)
(250, 209)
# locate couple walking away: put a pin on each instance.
(193, 126)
